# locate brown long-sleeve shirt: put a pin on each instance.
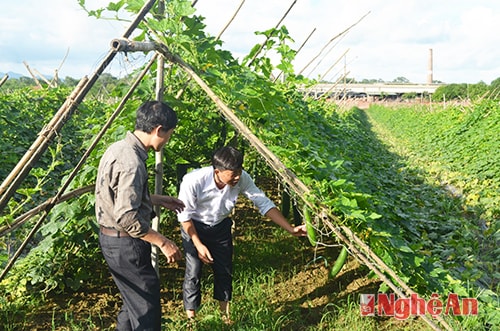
(122, 199)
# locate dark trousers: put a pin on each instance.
(219, 242)
(129, 261)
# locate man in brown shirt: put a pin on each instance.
(124, 210)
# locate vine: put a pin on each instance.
(332, 152)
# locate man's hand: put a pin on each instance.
(277, 217)
(168, 202)
(171, 251)
(204, 254)
(299, 231)
(167, 246)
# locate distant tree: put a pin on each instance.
(70, 81)
(104, 85)
(495, 88)
(371, 81)
(450, 92)
(18, 83)
(479, 90)
(495, 84)
(401, 80)
(409, 96)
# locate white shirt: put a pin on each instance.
(208, 204)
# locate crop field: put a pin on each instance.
(398, 199)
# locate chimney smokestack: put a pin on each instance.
(429, 72)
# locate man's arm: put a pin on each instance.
(167, 202)
(203, 252)
(167, 247)
(277, 217)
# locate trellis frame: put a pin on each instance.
(345, 236)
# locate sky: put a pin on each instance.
(389, 39)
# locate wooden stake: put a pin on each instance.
(4, 79)
(231, 19)
(331, 40)
(160, 85)
(32, 75)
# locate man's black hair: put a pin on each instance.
(227, 158)
(155, 113)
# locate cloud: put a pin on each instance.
(42, 32)
(393, 40)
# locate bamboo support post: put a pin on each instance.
(4, 79)
(37, 82)
(42, 77)
(230, 20)
(160, 85)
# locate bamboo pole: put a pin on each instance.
(331, 40)
(17, 175)
(55, 80)
(324, 56)
(37, 82)
(43, 78)
(160, 86)
(4, 79)
(230, 20)
(126, 45)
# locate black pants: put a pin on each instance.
(129, 261)
(219, 242)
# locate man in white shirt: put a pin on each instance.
(209, 195)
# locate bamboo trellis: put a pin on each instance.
(346, 237)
